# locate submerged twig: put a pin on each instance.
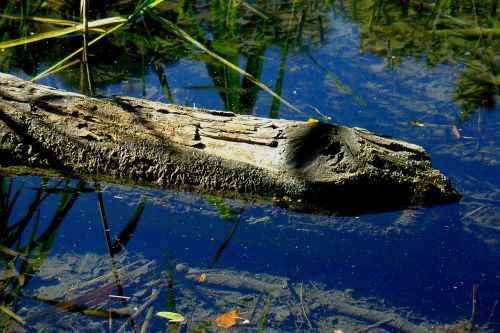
(303, 307)
(396, 322)
(147, 320)
(104, 277)
(468, 215)
(492, 313)
(473, 311)
(227, 279)
(152, 298)
(377, 324)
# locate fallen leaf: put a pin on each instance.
(202, 278)
(227, 319)
(171, 316)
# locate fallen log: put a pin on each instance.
(299, 165)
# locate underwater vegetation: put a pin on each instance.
(28, 239)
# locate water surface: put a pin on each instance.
(350, 63)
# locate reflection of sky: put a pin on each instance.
(422, 259)
(431, 266)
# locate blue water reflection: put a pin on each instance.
(423, 259)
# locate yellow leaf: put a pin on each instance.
(202, 278)
(227, 319)
(312, 120)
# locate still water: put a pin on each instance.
(406, 271)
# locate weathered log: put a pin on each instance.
(301, 165)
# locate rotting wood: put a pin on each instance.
(304, 166)
(279, 288)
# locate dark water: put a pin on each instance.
(426, 260)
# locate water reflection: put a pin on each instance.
(93, 257)
(246, 33)
(426, 72)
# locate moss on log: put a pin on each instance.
(305, 166)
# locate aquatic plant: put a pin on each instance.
(230, 215)
(183, 27)
(121, 241)
(23, 256)
(231, 39)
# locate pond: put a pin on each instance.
(93, 257)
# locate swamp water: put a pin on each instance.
(90, 257)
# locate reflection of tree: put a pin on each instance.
(443, 31)
(241, 32)
(476, 88)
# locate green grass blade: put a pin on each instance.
(37, 37)
(275, 104)
(104, 220)
(14, 198)
(225, 212)
(224, 243)
(43, 244)
(15, 231)
(170, 287)
(162, 77)
(90, 311)
(4, 203)
(75, 53)
(12, 315)
(26, 250)
(61, 32)
(7, 251)
(8, 9)
(255, 64)
(84, 12)
(254, 10)
(129, 229)
(329, 74)
(47, 20)
(144, 5)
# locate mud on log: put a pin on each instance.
(300, 165)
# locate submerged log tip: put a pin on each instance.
(299, 165)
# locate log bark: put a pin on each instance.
(300, 165)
